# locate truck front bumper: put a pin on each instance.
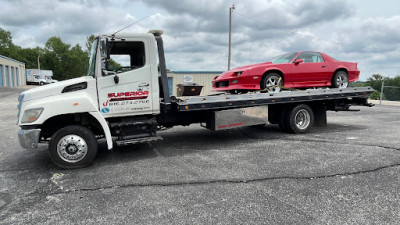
(29, 139)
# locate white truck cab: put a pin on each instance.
(87, 102)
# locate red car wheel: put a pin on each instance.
(271, 81)
(340, 80)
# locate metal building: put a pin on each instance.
(202, 78)
(12, 72)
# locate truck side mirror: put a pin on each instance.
(116, 79)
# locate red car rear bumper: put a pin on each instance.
(354, 75)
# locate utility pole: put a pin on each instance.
(230, 31)
(383, 85)
(38, 61)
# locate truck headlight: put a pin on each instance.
(31, 115)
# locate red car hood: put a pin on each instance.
(249, 67)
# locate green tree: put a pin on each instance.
(376, 95)
(29, 56)
(77, 62)
(391, 86)
(89, 41)
(7, 48)
(357, 84)
(66, 62)
(375, 81)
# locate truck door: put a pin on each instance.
(125, 83)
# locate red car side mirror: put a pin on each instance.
(298, 61)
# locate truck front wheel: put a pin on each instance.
(73, 147)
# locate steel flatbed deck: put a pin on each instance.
(227, 101)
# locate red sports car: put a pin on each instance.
(291, 70)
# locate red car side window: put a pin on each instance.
(311, 57)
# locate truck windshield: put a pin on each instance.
(92, 60)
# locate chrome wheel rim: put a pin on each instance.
(302, 119)
(271, 84)
(72, 148)
(342, 81)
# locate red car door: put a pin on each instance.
(312, 72)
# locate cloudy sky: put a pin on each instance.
(196, 31)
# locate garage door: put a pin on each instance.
(12, 77)
(17, 76)
(7, 77)
(1, 75)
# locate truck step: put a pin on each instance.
(132, 123)
(137, 140)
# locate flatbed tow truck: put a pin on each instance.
(128, 105)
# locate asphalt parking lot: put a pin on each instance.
(345, 173)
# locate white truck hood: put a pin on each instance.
(52, 89)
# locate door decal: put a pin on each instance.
(126, 101)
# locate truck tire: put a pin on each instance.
(73, 147)
(298, 119)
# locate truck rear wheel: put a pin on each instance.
(73, 147)
(298, 119)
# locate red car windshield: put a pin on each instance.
(286, 58)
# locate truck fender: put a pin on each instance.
(105, 127)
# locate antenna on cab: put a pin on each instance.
(137, 21)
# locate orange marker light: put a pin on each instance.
(31, 119)
(75, 104)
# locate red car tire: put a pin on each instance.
(271, 79)
(340, 80)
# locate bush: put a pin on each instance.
(376, 95)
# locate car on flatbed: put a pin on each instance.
(292, 70)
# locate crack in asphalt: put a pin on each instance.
(21, 169)
(320, 141)
(343, 143)
(222, 181)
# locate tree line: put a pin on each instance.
(64, 60)
(391, 90)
